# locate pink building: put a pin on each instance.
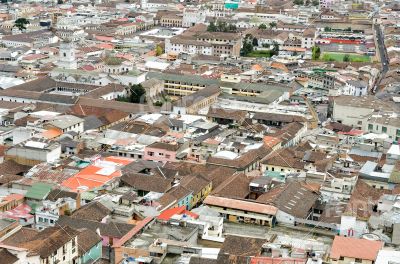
(162, 152)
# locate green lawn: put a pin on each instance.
(329, 56)
(260, 53)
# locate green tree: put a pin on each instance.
(60, 2)
(21, 23)
(247, 45)
(212, 27)
(315, 2)
(346, 58)
(221, 26)
(255, 42)
(137, 93)
(298, 2)
(232, 28)
(159, 50)
(316, 52)
(262, 26)
(275, 49)
(272, 24)
(327, 29)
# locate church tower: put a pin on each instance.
(67, 58)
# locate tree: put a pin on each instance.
(247, 45)
(255, 42)
(212, 27)
(315, 2)
(159, 50)
(232, 28)
(60, 2)
(298, 2)
(316, 52)
(327, 29)
(262, 26)
(346, 58)
(272, 24)
(21, 23)
(137, 93)
(221, 26)
(275, 49)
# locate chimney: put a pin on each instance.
(78, 200)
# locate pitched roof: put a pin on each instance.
(92, 211)
(294, 198)
(11, 167)
(38, 191)
(56, 194)
(236, 186)
(111, 229)
(244, 205)
(46, 242)
(86, 240)
(239, 248)
(146, 182)
(6, 257)
(355, 248)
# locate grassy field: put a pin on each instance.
(328, 56)
(260, 53)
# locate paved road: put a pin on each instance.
(380, 39)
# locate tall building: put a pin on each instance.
(67, 58)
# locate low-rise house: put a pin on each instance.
(355, 88)
(110, 232)
(34, 151)
(202, 99)
(243, 211)
(346, 250)
(52, 245)
(295, 202)
(90, 247)
(163, 152)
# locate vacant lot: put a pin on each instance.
(328, 56)
(260, 53)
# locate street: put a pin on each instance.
(380, 39)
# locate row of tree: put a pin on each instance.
(271, 25)
(221, 26)
(249, 42)
(306, 2)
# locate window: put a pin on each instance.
(168, 156)
(384, 129)
(150, 153)
(358, 260)
(370, 127)
(341, 258)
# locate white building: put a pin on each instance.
(67, 123)
(192, 17)
(67, 58)
(355, 88)
(34, 151)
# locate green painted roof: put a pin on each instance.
(38, 191)
(88, 196)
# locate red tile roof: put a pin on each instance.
(167, 214)
(355, 248)
(241, 205)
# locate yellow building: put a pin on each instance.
(200, 186)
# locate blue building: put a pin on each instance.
(90, 248)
